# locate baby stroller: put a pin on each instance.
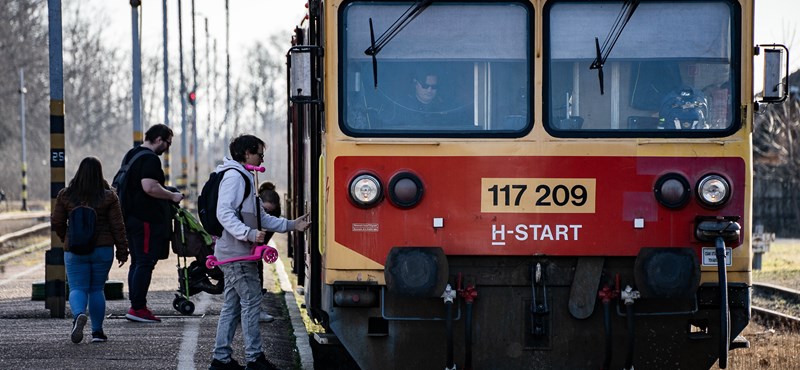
(189, 239)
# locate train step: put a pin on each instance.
(326, 339)
(740, 342)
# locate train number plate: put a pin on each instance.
(546, 195)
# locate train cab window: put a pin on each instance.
(453, 70)
(672, 70)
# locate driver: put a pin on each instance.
(683, 109)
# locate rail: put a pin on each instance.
(773, 317)
(24, 232)
(6, 216)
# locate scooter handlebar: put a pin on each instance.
(250, 167)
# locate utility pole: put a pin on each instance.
(227, 75)
(212, 145)
(184, 168)
(136, 89)
(54, 271)
(22, 91)
(166, 88)
(194, 106)
(208, 97)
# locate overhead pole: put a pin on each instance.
(184, 168)
(22, 91)
(227, 75)
(216, 125)
(166, 87)
(194, 105)
(54, 271)
(208, 94)
(136, 90)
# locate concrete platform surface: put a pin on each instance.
(31, 339)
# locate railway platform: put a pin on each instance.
(31, 339)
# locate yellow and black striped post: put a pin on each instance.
(22, 92)
(54, 272)
(166, 168)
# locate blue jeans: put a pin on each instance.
(146, 242)
(87, 275)
(242, 304)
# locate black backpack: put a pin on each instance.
(81, 230)
(207, 202)
(120, 179)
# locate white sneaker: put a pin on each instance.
(265, 317)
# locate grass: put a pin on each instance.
(781, 265)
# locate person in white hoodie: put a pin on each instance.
(242, 286)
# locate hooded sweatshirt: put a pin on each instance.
(241, 226)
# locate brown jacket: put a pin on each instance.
(110, 227)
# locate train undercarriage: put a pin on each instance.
(534, 312)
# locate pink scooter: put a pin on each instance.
(265, 252)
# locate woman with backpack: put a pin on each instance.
(87, 217)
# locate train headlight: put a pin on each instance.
(713, 190)
(405, 190)
(365, 190)
(672, 190)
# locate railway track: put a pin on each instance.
(774, 305)
(20, 231)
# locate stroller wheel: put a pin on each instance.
(176, 303)
(186, 307)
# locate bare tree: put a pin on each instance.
(23, 44)
(776, 158)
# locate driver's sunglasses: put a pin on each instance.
(169, 142)
(425, 86)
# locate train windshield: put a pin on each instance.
(673, 70)
(450, 69)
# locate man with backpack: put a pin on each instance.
(148, 215)
(239, 212)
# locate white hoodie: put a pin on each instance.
(240, 229)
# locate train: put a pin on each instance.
(549, 184)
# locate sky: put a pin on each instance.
(250, 21)
(777, 21)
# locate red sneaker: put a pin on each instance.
(141, 315)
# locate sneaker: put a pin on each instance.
(141, 315)
(77, 328)
(260, 363)
(265, 317)
(230, 365)
(99, 337)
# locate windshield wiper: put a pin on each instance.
(601, 54)
(377, 45)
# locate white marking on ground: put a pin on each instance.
(21, 274)
(191, 330)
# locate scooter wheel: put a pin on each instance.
(270, 255)
(211, 262)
